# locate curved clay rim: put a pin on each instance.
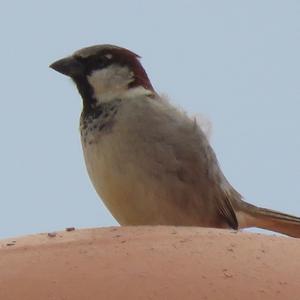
(150, 263)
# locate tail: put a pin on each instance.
(253, 216)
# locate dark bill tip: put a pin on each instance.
(68, 66)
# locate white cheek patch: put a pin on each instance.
(110, 80)
(99, 80)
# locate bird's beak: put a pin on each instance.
(68, 66)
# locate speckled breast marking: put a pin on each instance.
(98, 121)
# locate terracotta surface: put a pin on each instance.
(150, 263)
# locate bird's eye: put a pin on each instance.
(94, 62)
(100, 62)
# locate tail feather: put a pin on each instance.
(253, 216)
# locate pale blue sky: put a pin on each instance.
(237, 62)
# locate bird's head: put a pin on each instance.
(103, 72)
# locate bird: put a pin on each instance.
(151, 163)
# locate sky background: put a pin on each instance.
(236, 62)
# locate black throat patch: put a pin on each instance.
(87, 93)
(98, 120)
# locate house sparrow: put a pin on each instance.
(149, 162)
